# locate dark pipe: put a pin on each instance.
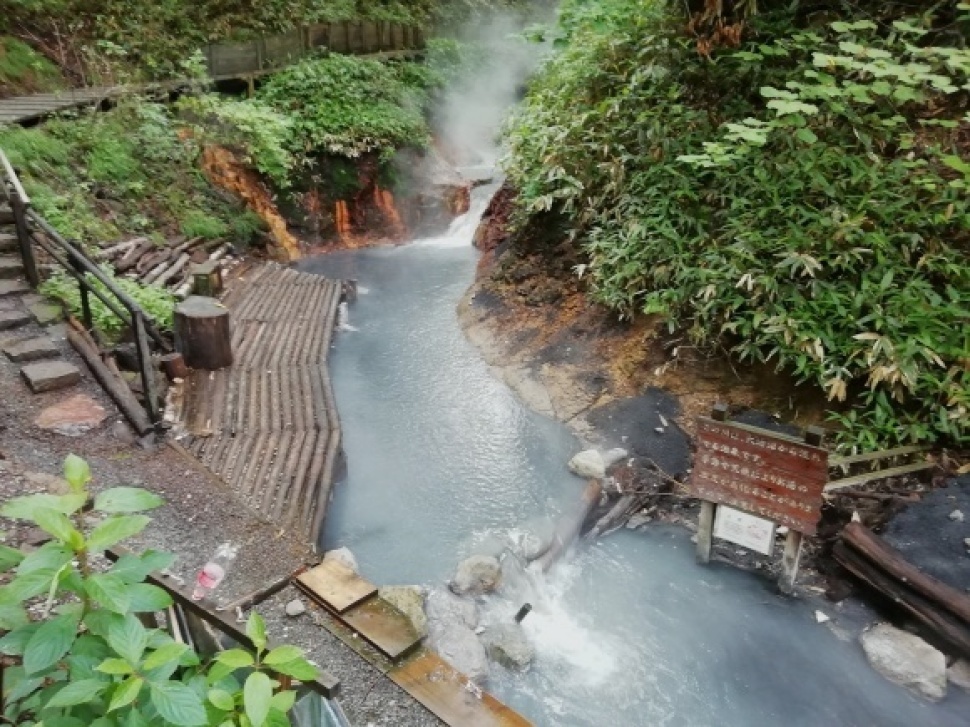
(523, 612)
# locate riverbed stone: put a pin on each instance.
(614, 456)
(589, 464)
(443, 607)
(476, 576)
(508, 645)
(72, 417)
(409, 600)
(295, 608)
(907, 660)
(342, 556)
(959, 674)
(459, 646)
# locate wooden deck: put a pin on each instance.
(267, 424)
(21, 109)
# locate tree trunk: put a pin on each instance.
(202, 333)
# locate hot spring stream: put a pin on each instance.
(628, 632)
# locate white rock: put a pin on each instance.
(956, 516)
(589, 464)
(409, 600)
(959, 674)
(460, 647)
(476, 575)
(342, 556)
(295, 608)
(443, 607)
(966, 542)
(637, 520)
(659, 430)
(906, 660)
(507, 644)
(821, 617)
(613, 456)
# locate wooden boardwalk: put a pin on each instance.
(21, 109)
(268, 424)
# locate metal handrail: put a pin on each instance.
(79, 267)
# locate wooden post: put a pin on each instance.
(207, 279)
(793, 541)
(19, 208)
(145, 367)
(705, 532)
(202, 333)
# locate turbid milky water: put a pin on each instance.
(630, 631)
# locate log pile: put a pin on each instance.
(941, 610)
(167, 265)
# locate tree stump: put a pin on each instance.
(202, 333)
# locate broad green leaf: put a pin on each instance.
(15, 643)
(178, 704)
(283, 701)
(170, 652)
(9, 557)
(25, 508)
(100, 622)
(79, 692)
(57, 524)
(134, 718)
(235, 658)
(29, 585)
(135, 568)
(12, 615)
(76, 472)
(806, 135)
(50, 643)
(126, 499)
(115, 529)
(128, 638)
(48, 556)
(282, 655)
(221, 700)
(257, 693)
(146, 597)
(16, 684)
(298, 669)
(125, 693)
(256, 630)
(115, 666)
(110, 591)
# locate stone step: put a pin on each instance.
(13, 287)
(31, 350)
(13, 319)
(45, 313)
(8, 242)
(50, 375)
(6, 215)
(10, 267)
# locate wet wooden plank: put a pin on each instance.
(336, 586)
(383, 626)
(445, 692)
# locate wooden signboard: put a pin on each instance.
(751, 469)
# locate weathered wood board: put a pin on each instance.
(335, 586)
(383, 626)
(773, 476)
(445, 692)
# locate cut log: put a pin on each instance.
(174, 366)
(568, 529)
(203, 334)
(133, 256)
(207, 278)
(886, 558)
(945, 627)
(171, 271)
(149, 262)
(618, 514)
(116, 387)
(120, 249)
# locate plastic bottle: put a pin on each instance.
(214, 572)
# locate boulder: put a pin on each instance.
(906, 660)
(443, 607)
(342, 556)
(476, 575)
(614, 456)
(959, 674)
(588, 464)
(409, 600)
(460, 647)
(507, 644)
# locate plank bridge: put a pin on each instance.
(246, 60)
(268, 424)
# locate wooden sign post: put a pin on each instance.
(763, 473)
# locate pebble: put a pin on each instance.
(659, 430)
(956, 516)
(821, 617)
(295, 608)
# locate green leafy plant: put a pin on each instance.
(197, 223)
(88, 659)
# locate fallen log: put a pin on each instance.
(171, 271)
(874, 549)
(132, 257)
(116, 387)
(151, 261)
(108, 253)
(946, 628)
(618, 515)
(568, 529)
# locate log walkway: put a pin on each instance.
(268, 424)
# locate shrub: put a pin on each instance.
(85, 658)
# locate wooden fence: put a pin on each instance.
(269, 53)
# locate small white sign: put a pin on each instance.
(747, 530)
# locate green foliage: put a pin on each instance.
(348, 106)
(88, 659)
(800, 200)
(23, 70)
(199, 224)
(157, 302)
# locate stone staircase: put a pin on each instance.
(24, 318)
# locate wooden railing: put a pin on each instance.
(34, 232)
(270, 53)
